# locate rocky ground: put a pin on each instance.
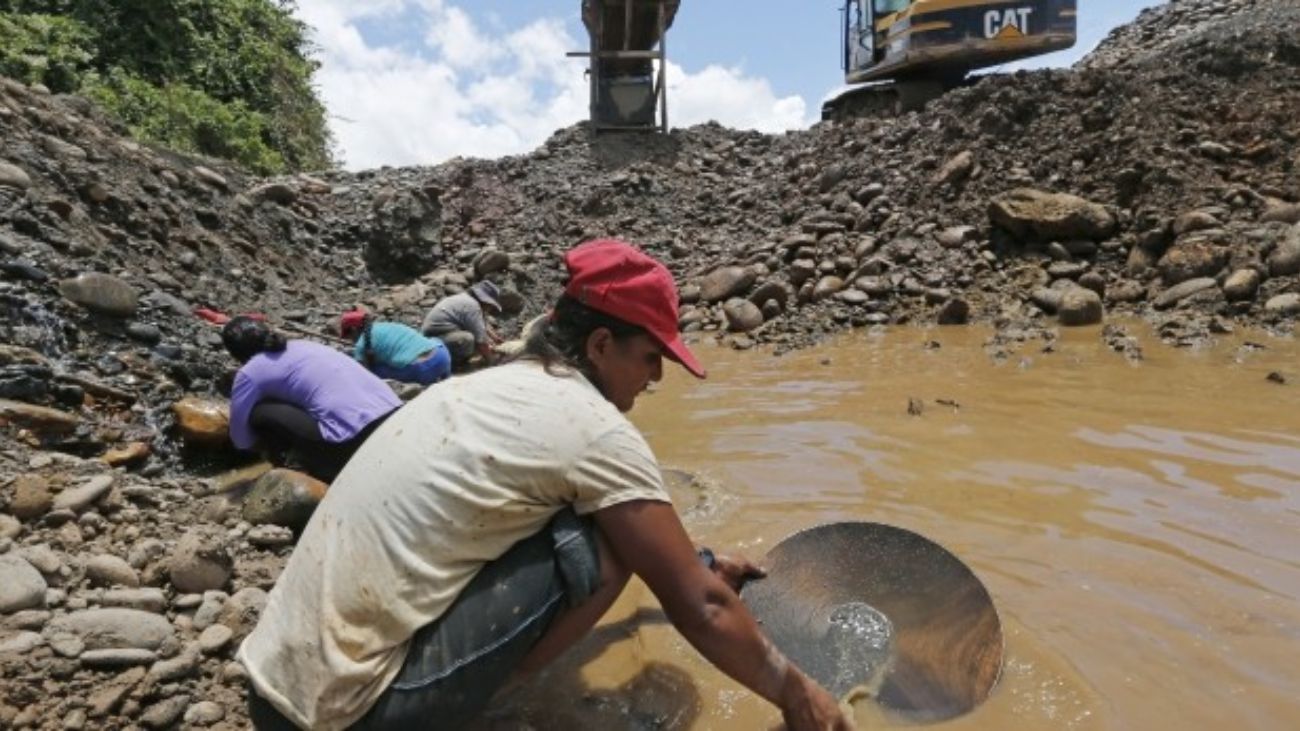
(1159, 178)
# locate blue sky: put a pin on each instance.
(416, 82)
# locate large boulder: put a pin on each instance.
(113, 628)
(283, 497)
(403, 239)
(102, 293)
(726, 282)
(1038, 216)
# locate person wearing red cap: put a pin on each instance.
(395, 351)
(487, 528)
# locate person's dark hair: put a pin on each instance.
(560, 341)
(245, 337)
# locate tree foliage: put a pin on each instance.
(230, 78)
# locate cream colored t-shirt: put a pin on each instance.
(448, 483)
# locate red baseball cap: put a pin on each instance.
(351, 320)
(617, 279)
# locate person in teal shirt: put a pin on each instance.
(394, 351)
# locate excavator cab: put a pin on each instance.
(932, 45)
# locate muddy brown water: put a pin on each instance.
(1138, 525)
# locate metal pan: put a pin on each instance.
(867, 608)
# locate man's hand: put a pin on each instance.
(806, 706)
(736, 570)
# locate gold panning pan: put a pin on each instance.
(867, 608)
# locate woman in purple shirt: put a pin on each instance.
(300, 396)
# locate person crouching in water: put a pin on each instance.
(486, 528)
(300, 396)
(394, 351)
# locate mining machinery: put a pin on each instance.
(906, 52)
(628, 55)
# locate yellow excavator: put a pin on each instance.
(925, 47)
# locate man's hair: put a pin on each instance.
(245, 337)
(560, 341)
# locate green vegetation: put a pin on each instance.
(229, 78)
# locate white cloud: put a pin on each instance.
(437, 86)
(730, 98)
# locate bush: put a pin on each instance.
(45, 49)
(230, 78)
(187, 119)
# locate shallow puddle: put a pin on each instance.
(1138, 525)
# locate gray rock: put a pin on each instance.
(280, 193)
(1182, 291)
(32, 497)
(1080, 306)
(1192, 260)
(82, 496)
(852, 297)
(726, 282)
(108, 697)
(270, 536)
(103, 293)
(1281, 212)
(1195, 221)
(241, 611)
(113, 628)
(117, 658)
(1093, 281)
(165, 713)
(1284, 304)
(20, 643)
(1242, 285)
(210, 609)
(1285, 259)
(144, 333)
(204, 713)
(742, 315)
(106, 570)
(211, 177)
(1035, 215)
(827, 286)
(201, 561)
(214, 638)
(957, 169)
(953, 237)
(185, 665)
(490, 260)
(148, 599)
(770, 290)
(21, 585)
(12, 176)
